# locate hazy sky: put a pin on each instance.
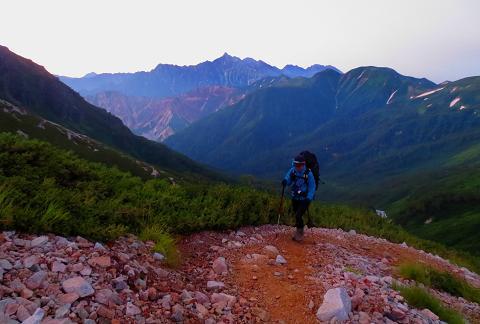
(438, 39)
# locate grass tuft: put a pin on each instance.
(164, 243)
(421, 299)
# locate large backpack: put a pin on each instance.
(312, 164)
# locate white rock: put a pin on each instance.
(36, 318)
(39, 241)
(373, 279)
(311, 304)
(78, 285)
(219, 265)
(280, 260)
(214, 285)
(5, 264)
(158, 256)
(62, 311)
(221, 297)
(336, 303)
(388, 280)
(99, 246)
(428, 313)
(132, 310)
(271, 250)
(352, 232)
(30, 261)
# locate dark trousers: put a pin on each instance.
(299, 208)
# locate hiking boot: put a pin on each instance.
(298, 236)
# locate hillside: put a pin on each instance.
(47, 190)
(18, 121)
(260, 123)
(399, 144)
(30, 87)
(157, 119)
(167, 80)
(372, 119)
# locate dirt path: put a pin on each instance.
(224, 277)
(292, 293)
(280, 289)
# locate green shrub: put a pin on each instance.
(420, 298)
(439, 280)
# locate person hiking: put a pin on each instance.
(303, 187)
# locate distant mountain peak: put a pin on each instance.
(90, 75)
(227, 58)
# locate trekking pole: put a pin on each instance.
(280, 209)
(309, 221)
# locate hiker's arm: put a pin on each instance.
(288, 178)
(311, 186)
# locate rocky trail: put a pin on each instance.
(254, 275)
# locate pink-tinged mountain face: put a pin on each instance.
(158, 119)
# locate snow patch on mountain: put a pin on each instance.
(361, 74)
(454, 102)
(428, 93)
(391, 96)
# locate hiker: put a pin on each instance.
(303, 186)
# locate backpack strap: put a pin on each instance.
(305, 179)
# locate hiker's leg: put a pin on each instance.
(309, 217)
(300, 210)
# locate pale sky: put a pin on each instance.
(437, 39)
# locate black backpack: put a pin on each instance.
(312, 164)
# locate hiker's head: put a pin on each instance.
(299, 163)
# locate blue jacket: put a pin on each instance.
(300, 184)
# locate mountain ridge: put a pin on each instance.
(30, 86)
(169, 80)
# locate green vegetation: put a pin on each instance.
(420, 298)
(439, 280)
(401, 153)
(164, 243)
(45, 189)
(443, 207)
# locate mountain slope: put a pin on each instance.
(19, 121)
(168, 80)
(328, 100)
(157, 119)
(266, 119)
(29, 86)
(369, 118)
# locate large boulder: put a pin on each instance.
(336, 303)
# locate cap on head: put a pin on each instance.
(299, 160)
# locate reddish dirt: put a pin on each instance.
(317, 264)
(284, 297)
